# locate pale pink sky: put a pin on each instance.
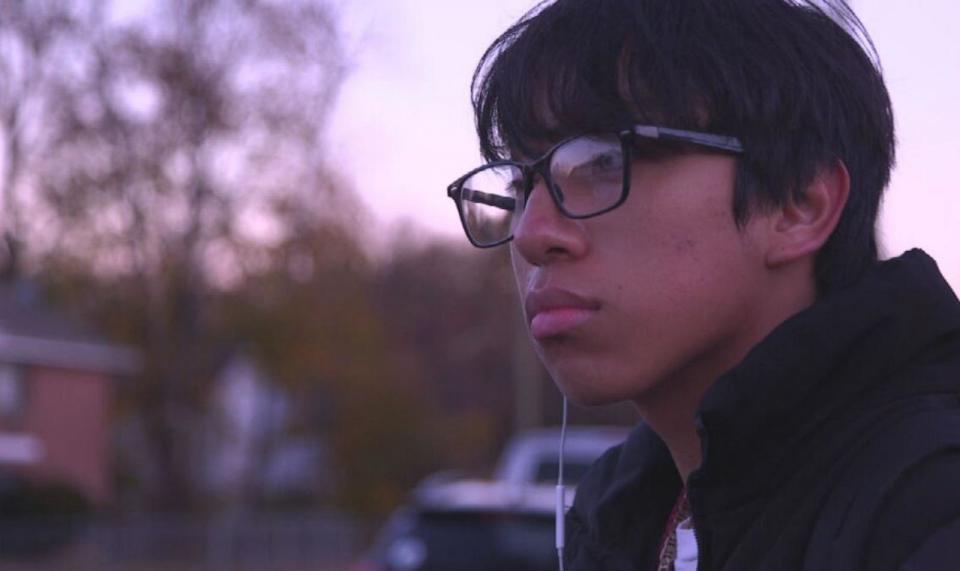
(404, 129)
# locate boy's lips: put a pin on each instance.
(554, 311)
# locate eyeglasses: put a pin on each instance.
(586, 176)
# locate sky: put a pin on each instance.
(403, 127)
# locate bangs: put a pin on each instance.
(578, 68)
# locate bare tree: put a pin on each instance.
(184, 142)
(33, 36)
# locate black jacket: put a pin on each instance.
(835, 444)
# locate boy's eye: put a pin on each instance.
(598, 164)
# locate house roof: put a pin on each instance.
(32, 332)
(24, 312)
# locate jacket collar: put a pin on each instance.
(824, 358)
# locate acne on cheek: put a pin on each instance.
(686, 244)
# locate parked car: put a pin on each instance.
(532, 456)
(468, 525)
(505, 524)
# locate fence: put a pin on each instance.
(316, 542)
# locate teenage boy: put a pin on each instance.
(689, 190)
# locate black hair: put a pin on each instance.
(797, 81)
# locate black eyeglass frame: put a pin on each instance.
(541, 167)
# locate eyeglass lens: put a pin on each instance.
(586, 174)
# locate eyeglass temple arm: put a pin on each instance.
(502, 202)
(722, 142)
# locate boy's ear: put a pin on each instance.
(802, 225)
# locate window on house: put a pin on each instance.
(12, 394)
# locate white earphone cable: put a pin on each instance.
(561, 490)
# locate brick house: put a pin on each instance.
(56, 384)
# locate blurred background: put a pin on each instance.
(239, 323)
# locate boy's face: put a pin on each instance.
(662, 292)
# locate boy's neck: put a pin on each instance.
(671, 407)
